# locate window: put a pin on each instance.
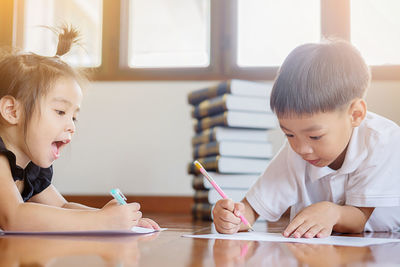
(169, 34)
(268, 29)
(375, 30)
(86, 15)
(203, 39)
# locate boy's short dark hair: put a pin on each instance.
(319, 78)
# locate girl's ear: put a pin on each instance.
(358, 111)
(10, 109)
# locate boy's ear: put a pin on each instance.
(10, 109)
(358, 111)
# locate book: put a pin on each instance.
(226, 102)
(224, 164)
(230, 134)
(225, 181)
(238, 119)
(234, 149)
(234, 87)
(202, 211)
(212, 196)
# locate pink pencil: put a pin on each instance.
(219, 190)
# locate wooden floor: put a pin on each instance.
(168, 248)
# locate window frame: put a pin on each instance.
(223, 47)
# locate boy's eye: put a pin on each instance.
(60, 112)
(315, 137)
(289, 135)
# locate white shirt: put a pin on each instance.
(369, 177)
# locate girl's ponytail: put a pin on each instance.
(67, 36)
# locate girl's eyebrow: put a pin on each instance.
(63, 100)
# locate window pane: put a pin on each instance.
(269, 29)
(85, 15)
(375, 30)
(173, 33)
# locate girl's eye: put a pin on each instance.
(289, 135)
(60, 112)
(74, 119)
(315, 137)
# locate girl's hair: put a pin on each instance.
(28, 76)
(319, 78)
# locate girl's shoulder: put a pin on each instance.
(15, 170)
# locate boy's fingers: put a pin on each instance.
(293, 225)
(239, 209)
(324, 233)
(313, 231)
(228, 216)
(227, 204)
(226, 227)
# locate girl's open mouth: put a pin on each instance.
(56, 147)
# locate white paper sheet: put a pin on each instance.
(277, 237)
(134, 231)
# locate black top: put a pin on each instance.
(35, 178)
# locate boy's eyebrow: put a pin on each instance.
(63, 100)
(309, 129)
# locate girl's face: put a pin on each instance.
(51, 128)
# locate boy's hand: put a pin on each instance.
(120, 217)
(226, 216)
(317, 220)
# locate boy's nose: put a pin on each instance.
(304, 149)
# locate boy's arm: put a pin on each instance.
(352, 219)
(249, 213)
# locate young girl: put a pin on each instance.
(40, 98)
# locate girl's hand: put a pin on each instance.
(317, 220)
(148, 223)
(226, 216)
(120, 217)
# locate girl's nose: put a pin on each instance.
(71, 127)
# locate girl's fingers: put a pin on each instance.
(137, 215)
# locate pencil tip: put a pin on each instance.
(251, 228)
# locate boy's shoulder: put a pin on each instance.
(376, 139)
(379, 128)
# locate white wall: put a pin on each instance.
(136, 136)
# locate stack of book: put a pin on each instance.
(231, 123)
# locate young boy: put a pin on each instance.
(340, 169)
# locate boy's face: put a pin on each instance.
(320, 139)
(52, 128)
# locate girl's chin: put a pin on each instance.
(44, 164)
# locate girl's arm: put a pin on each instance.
(19, 216)
(50, 196)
